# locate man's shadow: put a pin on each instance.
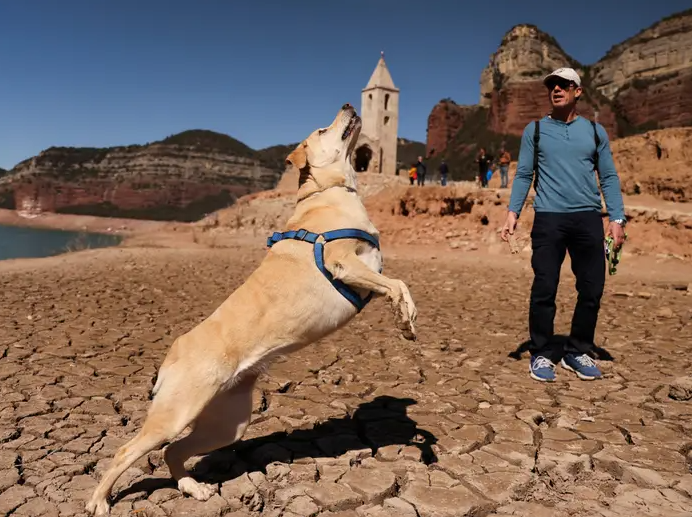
(560, 341)
(373, 425)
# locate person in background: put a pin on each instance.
(412, 174)
(483, 160)
(504, 160)
(567, 218)
(420, 171)
(443, 173)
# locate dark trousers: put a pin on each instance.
(483, 176)
(553, 234)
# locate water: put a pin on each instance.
(17, 242)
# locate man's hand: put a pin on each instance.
(509, 226)
(617, 232)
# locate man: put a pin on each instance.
(483, 161)
(504, 160)
(420, 171)
(567, 218)
(443, 173)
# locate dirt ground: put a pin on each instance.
(362, 423)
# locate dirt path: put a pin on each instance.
(363, 423)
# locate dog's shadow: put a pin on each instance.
(373, 425)
(560, 341)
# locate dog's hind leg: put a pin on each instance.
(222, 423)
(354, 272)
(172, 409)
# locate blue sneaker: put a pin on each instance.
(582, 365)
(542, 369)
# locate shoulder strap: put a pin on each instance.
(597, 140)
(536, 138)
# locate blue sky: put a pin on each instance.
(99, 73)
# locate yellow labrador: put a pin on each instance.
(314, 279)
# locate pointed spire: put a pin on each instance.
(381, 77)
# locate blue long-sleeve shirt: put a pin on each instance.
(566, 177)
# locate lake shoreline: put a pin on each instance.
(85, 223)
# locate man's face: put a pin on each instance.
(562, 92)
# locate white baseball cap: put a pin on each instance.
(564, 73)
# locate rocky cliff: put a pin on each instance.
(656, 163)
(648, 77)
(512, 83)
(182, 178)
(636, 87)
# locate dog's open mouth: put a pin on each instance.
(355, 119)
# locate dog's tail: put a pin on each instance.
(170, 359)
(159, 381)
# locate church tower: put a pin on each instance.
(380, 114)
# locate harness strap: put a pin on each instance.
(312, 237)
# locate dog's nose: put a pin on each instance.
(346, 106)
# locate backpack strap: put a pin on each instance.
(536, 138)
(597, 140)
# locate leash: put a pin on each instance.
(613, 256)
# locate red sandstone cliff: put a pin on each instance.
(444, 122)
(180, 178)
(648, 76)
(512, 83)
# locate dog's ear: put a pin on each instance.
(298, 158)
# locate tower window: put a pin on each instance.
(386, 121)
(386, 100)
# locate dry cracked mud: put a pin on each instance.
(363, 423)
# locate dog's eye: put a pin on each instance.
(321, 131)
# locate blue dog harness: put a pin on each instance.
(311, 237)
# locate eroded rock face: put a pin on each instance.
(525, 54)
(656, 163)
(512, 83)
(178, 179)
(445, 121)
(657, 103)
(519, 103)
(641, 84)
(663, 48)
(649, 75)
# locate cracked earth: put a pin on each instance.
(362, 423)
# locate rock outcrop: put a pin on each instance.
(512, 83)
(641, 84)
(180, 178)
(656, 163)
(648, 76)
(444, 122)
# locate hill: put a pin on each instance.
(182, 178)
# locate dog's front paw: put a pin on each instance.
(99, 508)
(406, 313)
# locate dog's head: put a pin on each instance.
(324, 158)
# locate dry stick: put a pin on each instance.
(513, 246)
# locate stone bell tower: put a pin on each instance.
(380, 114)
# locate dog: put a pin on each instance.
(300, 292)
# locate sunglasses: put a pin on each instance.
(564, 84)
